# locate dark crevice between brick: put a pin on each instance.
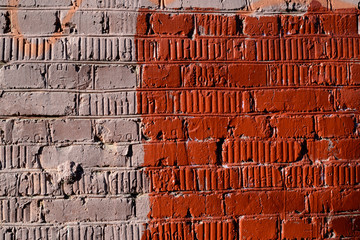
(37, 157)
(105, 23)
(290, 7)
(303, 152)
(149, 29)
(58, 27)
(239, 25)
(219, 148)
(7, 27)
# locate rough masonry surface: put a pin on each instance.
(179, 119)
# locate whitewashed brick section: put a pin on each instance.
(70, 146)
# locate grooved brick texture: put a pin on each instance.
(179, 119)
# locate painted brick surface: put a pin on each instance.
(178, 119)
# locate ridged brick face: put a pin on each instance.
(178, 119)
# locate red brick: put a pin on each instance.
(180, 24)
(250, 127)
(346, 24)
(207, 24)
(201, 152)
(259, 26)
(163, 128)
(308, 24)
(250, 50)
(247, 75)
(342, 226)
(215, 229)
(293, 100)
(141, 25)
(258, 228)
(320, 202)
(272, 202)
(193, 204)
(214, 205)
(335, 126)
(357, 224)
(345, 201)
(242, 204)
(355, 74)
(344, 149)
(349, 99)
(334, 201)
(301, 229)
(293, 126)
(205, 75)
(162, 206)
(207, 127)
(180, 153)
(161, 76)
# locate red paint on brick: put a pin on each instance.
(258, 228)
(250, 124)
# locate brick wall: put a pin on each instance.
(178, 119)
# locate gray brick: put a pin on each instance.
(37, 103)
(138, 154)
(39, 3)
(107, 231)
(19, 156)
(16, 210)
(58, 50)
(87, 22)
(70, 76)
(48, 183)
(4, 22)
(91, 209)
(216, 4)
(142, 206)
(29, 131)
(71, 48)
(19, 49)
(57, 3)
(124, 231)
(6, 127)
(128, 4)
(22, 76)
(108, 104)
(234, 4)
(122, 22)
(201, 4)
(110, 77)
(71, 130)
(101, 48)
(8, 184)
(119, 130)
(86, 155)
(36, 22)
